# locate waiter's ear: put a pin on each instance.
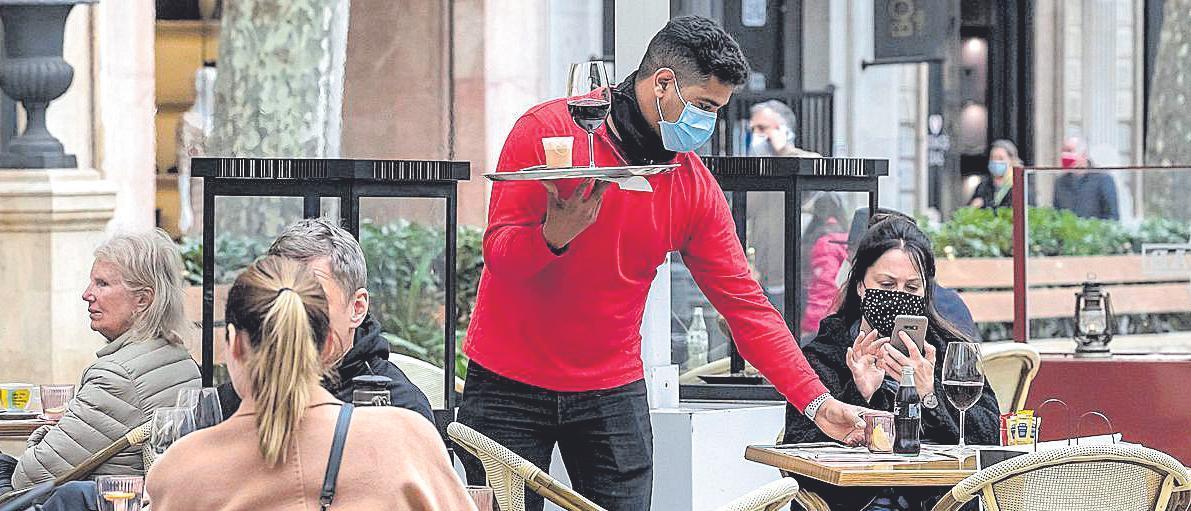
(663, 79)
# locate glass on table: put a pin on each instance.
(203, 405)
(170, 423)
(963, 379)
(54, 399)
(878, 431)
(483, 497)
(119, 493)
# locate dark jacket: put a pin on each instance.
(941, 426)
(369, 355)
(1088, 195)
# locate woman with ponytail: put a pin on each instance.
(273, 453)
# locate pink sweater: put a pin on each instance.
(393, 459)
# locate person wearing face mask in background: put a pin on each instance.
(893, 273)
(555, 337)
(1086, 193)
(994, 190)
(771, 131)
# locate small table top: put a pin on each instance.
(19, 429)
(908, 473)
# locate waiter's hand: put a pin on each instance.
(566, 218)
(841, 421)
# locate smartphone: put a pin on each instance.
(914, 327)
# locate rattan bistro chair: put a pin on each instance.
(509, 474)
(1117, 477)
(1010, 368)
(134, 438)
(771, 497)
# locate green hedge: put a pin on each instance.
(405, 279)
(988, 233)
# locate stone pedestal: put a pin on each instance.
(50, 222)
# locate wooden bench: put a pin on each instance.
(986, 285)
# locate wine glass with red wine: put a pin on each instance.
(963, 379)
(590, 100)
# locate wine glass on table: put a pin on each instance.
(170, 423)
(963, 379)
(203, 405)
(590, 100)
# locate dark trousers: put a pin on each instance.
(604, 436)
(73, 496)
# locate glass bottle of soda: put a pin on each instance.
(907, 416)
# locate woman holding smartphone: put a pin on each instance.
(892, 275)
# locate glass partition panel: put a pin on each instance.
(245, 227)
(974, 271)
(404, 242)
(1124, 229)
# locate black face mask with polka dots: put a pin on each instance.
(882, 306)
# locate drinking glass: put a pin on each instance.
(119, 493)
(203, 404)
(54, 399)
(963, 379)
(590, 100)
(483, 497)
(169, 424)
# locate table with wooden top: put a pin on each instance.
(14, 434)
(944, 473)
(842, 473)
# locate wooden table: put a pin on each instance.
(13, 435)
(945, 473)
(910, 473)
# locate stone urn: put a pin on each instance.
(34, 73)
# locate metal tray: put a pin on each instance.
(541, 173)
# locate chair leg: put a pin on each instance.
(811, 501)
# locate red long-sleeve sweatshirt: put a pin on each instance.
(572, 322)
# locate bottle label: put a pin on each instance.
(914, 411)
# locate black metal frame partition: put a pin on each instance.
(348, 180)
(738, 175)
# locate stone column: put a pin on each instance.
(50, 221)
(1099, 81)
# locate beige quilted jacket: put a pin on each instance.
(118, 392)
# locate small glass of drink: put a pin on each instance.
(119, 493)
(878, 432)
(558, 151)
(54, 399)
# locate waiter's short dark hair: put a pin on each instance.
(694, 46)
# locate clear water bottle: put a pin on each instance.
(696, 340)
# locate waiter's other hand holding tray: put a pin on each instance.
(627, 177)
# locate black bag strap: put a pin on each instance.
(328, 494)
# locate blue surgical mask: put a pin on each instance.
(693, 128)
(998, 168)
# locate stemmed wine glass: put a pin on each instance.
(170, 423)
(203, 404)
(588, 108)
(963, 379)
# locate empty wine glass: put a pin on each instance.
(169, 424)
(590, 100)
(483, 497)
(119, 493)
(203, 404)
(963, 379)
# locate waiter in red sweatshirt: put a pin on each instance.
(555, 337)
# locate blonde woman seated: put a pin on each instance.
(273, 453)
(134, 299)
